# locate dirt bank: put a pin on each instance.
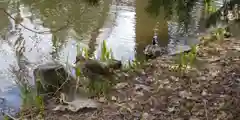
(209, 91)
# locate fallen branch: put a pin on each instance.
(205, 109)
(10, 116)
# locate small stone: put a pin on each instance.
(171, 109)
(145, 116)
(184, 94)
(102, 99)
(160, 86)
(194, 118)
(178, 119)
(166, 81)
(114, 98)
(139, 93)
(121, 85)
(204, 93)
(139, 87)
(222, 96)
(169, 87)
(131, 105)
(125, 74)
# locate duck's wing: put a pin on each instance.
(96, 67)
(148, 49)
(114, 64)
(159, 51)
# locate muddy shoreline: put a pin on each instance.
(207, 91)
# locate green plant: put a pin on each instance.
(102, 85)
(182, 65)
(30, 99)
(132, 64)
(29, 94)
(192, 55)
(105, 53)
(82, 51)
(40, 105)
(99, 86)
(210, 6)
(218, 34)
(187, 59)
(78, 70)
(6, 117)
(85, 53)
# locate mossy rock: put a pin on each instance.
(50, 77)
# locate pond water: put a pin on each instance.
(124, 25)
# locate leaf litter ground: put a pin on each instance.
(209, 91)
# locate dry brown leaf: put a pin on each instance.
(77, 104)
(121, 85)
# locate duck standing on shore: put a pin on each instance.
(154, 50)
(93, 68)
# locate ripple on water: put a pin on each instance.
(122, 37)
(11, 100)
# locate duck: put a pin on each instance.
(93, 67)
(154, 50)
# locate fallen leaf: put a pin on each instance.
(121, 85)
(184, 94)
(204, 93)
(145, 116)
(60, 108)
(102, 99)
(171, 109)
(77, 104)
(139, 87)
(113, 98)
(194, 118)
(82, 103)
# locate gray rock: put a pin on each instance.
(50, 77)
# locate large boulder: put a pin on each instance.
(52, 77)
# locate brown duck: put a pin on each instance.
(91, 68)
(154, 50)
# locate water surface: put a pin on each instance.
(126, 27)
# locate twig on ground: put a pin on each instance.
(205, 109)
